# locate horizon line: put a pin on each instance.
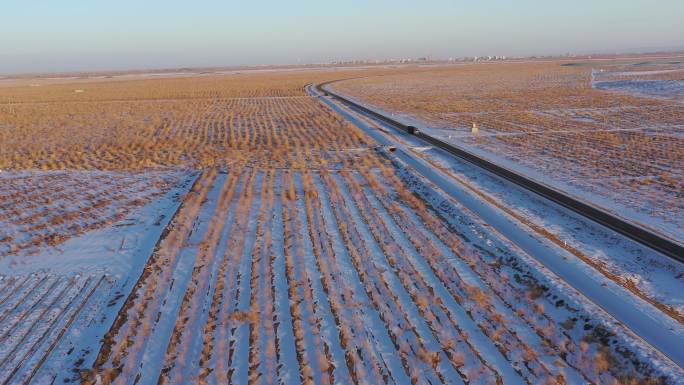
(599, 55)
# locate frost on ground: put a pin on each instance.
(347, 276)
(556, 238)
(663, 88)
(648, 274)
(297, 255)
(57, 301)
(659, 80)
(46, 208)
(603, 255)
(623, 151)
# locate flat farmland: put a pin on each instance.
(610, 133)
(234, 229)
(46, 208)
(147, 124)
(340, 276)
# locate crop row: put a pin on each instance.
(47, 208)
(622, 148)
(195, 133)
(35, 313)
(340, 276)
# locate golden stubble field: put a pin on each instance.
(190, 122)
(122, 134)
(299, 255)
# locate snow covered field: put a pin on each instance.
(580, 130)
(346, 276)
(46, 208)
(305, 251)
(653, 80)
(625, 279)
(57, 301)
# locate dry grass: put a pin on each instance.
(189, 122)
(47, 208)
(325, 215)
(548, 117)
(258, 119)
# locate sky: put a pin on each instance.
(71, 35)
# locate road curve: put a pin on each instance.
(648, 323)
(651, 239)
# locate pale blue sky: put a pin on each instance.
(65, 35)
